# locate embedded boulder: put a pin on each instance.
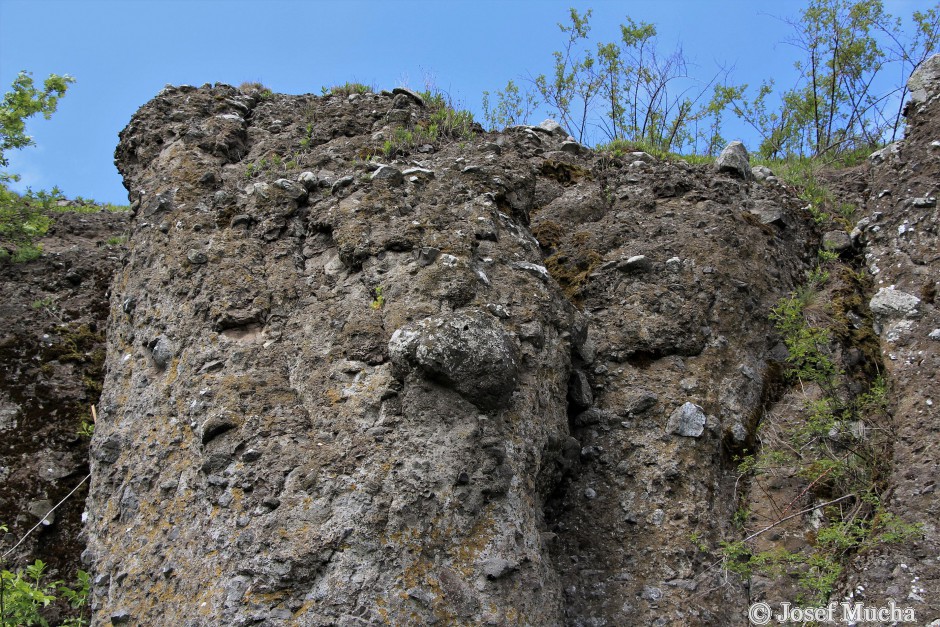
(889, 302)
(469, 352)
(687, 420)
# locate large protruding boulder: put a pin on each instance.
(734, 160)
(469, 351)
(924, 83)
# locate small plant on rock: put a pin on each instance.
(832, 440)
(378, 300)
(255, 87)
(347, 88)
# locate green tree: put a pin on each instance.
(843, 57)
(911, 51)
(24, 101)
(23, 218)
(575, 82)
(836, 106)
(626, 89)
(842, 100)
(511, 107)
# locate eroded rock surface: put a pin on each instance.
(53, 312)
(901, 238)
(337, 406)
(501, 380)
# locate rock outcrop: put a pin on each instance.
(334, 397)
(900, 235)
(494, 379)
(53, 313)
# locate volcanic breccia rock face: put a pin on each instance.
(498, 381)
(279, 444)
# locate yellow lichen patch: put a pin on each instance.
(238, 497)
(172, 372)
(333, 396)
(473, 543)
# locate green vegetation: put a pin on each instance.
(511, 107)
(630, 90)
(807, 345)
(24, 594)
(378, 300)
(42, 303)
(834, 441)
(818, 570)
(250, 87)
(445, 120)
(274, 164)
(21, 103)
(346, 89)
(308, 137)
(833, 109)
(695, 538)
(24, 218)
(620, 147)
(626, 89)
(86, 429)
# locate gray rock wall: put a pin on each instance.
(499, 380)
(326, 403)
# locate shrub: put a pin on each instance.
(444, 121)
(250, 87)
(23, 220)
(25, 593)
(831, 437)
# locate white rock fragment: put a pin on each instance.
(893, 303)
(533, 269)
(687, 420)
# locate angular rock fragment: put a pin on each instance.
(889, 302)
(837, 241)
(388, 175)
(734, 160)
(580, 395)
(687, 420)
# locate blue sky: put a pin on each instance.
(122, 52)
